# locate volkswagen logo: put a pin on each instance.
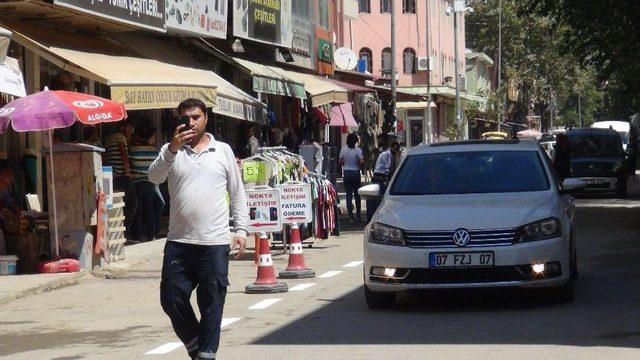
(7, 111)
(461, 237)
(88, 104)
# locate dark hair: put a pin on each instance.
(5, 167)
(394, 144)
(191, 103)
(123, 124)
(145, 132)
(352, 139)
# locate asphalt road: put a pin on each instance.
(121, 318)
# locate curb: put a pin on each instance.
(71, 280)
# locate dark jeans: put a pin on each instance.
(123, 183)
(184, 268)
(352, 183)
(146, 222)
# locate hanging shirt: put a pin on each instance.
(198, 187)
(351, 158)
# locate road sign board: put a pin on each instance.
(264, 210)
(295, 202)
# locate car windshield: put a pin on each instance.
(474, 172)
(595, 145)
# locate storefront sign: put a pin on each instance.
(11, 80)
(325, 50)
(197, 17)
(236, 109)
(160, 97)
(267, 21)
(295, 201)
(301, 48)
(264, 210)
(143, 13)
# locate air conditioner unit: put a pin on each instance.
(425, 63)
(463, 83)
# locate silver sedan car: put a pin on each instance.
(472, 214)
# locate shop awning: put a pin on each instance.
(11, 80)
(266, 80)
(342, 115)
(353, 87)
(321, 90)
(231, 101)
(414, 105)
(137, 82)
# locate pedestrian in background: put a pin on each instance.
(146, 223)
(562, 156)
(351, 159)
(117, 156)
(253, 144)
(200, 171)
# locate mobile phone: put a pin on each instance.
(184, 120)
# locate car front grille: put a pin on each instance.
(444, 239)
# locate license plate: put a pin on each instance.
(461, 259)
(595, 181)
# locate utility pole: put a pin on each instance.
(459, 121)
(392, 108)
(428, 131)
(500, 62)
(580, 108)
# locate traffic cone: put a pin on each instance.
(266, 280)
(297, 269)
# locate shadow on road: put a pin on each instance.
(606, 311)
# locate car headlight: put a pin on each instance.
(388, 235)
(540, 230)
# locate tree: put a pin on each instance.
(605, 35)
(533, 65)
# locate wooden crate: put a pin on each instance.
(116, 228)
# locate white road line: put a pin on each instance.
(329, 274)
(264, 304)
(301, 287)
(228, 321)
(354, 264)
(164, 349)
(169, 347)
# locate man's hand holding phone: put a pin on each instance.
(183, 134)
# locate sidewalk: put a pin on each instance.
(13, 287)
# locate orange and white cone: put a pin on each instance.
(297, 268)
(266, 281)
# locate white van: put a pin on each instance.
(622, 127)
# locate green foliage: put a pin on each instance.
(533, 62)
(605, 35)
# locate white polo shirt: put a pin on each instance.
(198, 187)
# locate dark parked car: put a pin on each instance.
(598, 158)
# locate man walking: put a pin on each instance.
(200, 172)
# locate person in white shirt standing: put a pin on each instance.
(200, 172)
(351, 159)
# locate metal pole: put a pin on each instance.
(393, 56)
(428, 131)
(580, 108)
(499, 62)
(457, 76)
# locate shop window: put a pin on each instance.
(409, 6)
(386, 62)
(385, 6)
(364, 6)
(409, 61)
(365, 54)
(300, 8)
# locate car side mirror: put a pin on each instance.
(370, 191)
(573, 185)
